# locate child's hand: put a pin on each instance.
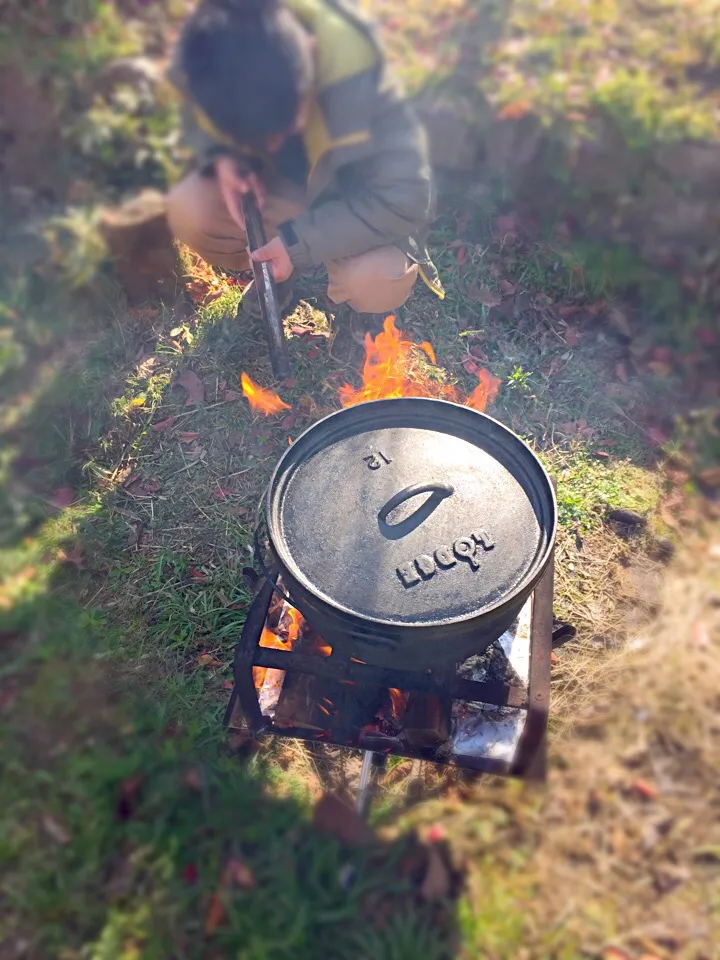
(233, 186)
(275, 254)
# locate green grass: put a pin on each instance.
(123, 800)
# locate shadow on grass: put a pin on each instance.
(125, 813)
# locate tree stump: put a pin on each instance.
(139, 240)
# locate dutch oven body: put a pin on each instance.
(410, 532)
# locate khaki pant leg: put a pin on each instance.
(374, 282)
(198, 217)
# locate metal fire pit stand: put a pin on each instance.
(529, 760)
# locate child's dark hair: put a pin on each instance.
(247, 65)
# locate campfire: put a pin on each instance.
(421, 581)
(394, 367)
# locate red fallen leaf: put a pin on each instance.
(191, 382)
(706, 336)
(514, 111)
(657, 436)
(710, 477)
(63, 497)
(601, 453)
(644, 789)
(567, 310)
(313, 352)
(163, 424)
(228, 684)
(230, 395)
(572, 336)
(554, 658)
(215, 914)
(222, 493)
(477, 352)
(152, 485)
(207, 660)
(507, 287)
(238, 874)
(461, 255)
(197, 575)
(72, 557)
(288, 422)
(193, 779)
(507, 225)
(436, 833)
(190, 874)
(470, 366)
(482, 295)
(612, 953)
(662, 354)
(677, 477)
(129, 792)
(187, 436)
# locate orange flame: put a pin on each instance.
(485, 392)
(272, 640)
(391, 370)
(262, 401)
(399, 701)
(296, 622)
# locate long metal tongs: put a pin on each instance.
(267, 290)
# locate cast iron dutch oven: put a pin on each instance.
(410, 532)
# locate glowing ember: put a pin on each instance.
(399, 701)
(391, 370)
(485, 392)
(261, 401)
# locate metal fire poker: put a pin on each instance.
(267, 289)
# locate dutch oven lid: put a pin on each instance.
(411, 512)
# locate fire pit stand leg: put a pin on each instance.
(372, 762)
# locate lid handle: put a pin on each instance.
(394, 531)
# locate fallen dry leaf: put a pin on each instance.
(572, 336)
(644, 789)
(613, 953)
(215, 914)
(207, 660)
(163, 424)
(333, 817)
(193, 779)
(436, 885)
(192, 383)
(222, 493)
(239, 874)
(73, 557)
(660, 368)
(197, 575)
(515, 110)
(55, 830)
(230, 395)
(710, 477)
(479, 294)
(187, 436)
(129, 793)
(621, 371)
(63, 497)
